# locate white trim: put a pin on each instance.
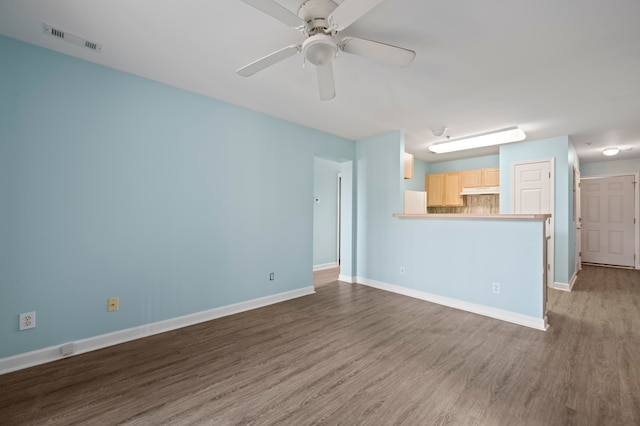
(565, 286)
(347, 279)
(637, 218)
(322, 266)
(53, 353)
(512, 317)
(339, 218)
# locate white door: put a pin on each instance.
(608, 228)
(533, 194)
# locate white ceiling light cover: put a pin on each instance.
(496, 138)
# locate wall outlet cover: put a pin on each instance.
(27, 320)
(113, 304)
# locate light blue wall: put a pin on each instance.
(604, 168)
(113, 185)
(420, 168)
(325, 211)
(347, 228)
(465, 164)
(456, 258)
(461, 259)
(380, 181)
(557, 148)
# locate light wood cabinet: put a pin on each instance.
(491, 177)
(480, 178)
(471, 178)
(452, 188)
(408, 165)
(443, 189)
(435, 189)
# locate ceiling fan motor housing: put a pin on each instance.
(314, 13)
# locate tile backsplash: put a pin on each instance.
(474, 204)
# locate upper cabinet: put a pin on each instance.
(480, 178)
(452, 188)
(435, 189)
(443, 189)
(491, 177)
(471, 178)
(408, 165)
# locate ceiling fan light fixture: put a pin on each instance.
(512, 134)
(319, 49)
(611, 151)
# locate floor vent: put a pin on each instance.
(72, 38)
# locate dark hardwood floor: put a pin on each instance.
(354, 355)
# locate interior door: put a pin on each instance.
(608, 227)
(533, 194)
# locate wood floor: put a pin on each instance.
(325, 276)
(354, 355)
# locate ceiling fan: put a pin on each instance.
(320, 21)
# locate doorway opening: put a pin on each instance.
(331, 220)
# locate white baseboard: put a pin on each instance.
(53, 353)
(512, 317)
(347, 278)
(325, 266)
(565, 286)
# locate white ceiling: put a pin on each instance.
(552, 67)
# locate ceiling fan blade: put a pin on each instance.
(268, 60)
(325, 82)
(277, 11)
(350, 11)
(380, 52)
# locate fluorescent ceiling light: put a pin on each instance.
(513, 134)
(611, 151)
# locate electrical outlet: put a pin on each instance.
(112, 304)
(402, 270)
(495, 288)
(28, 320)
(272, 276)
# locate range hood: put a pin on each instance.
(481, 191)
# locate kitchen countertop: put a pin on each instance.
(474, 216)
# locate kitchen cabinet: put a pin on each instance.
(408, 165)
(471, 178)
(435, 189)
(480, 178)
(491, 177)
(443, 189)
(452, 188)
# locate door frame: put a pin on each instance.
(339, 221)
(577, 218)
(549, 226)
(636, 193)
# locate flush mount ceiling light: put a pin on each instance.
(438, 131)
(610, 151)
(512, 134)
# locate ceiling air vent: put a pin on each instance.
(72, 38)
